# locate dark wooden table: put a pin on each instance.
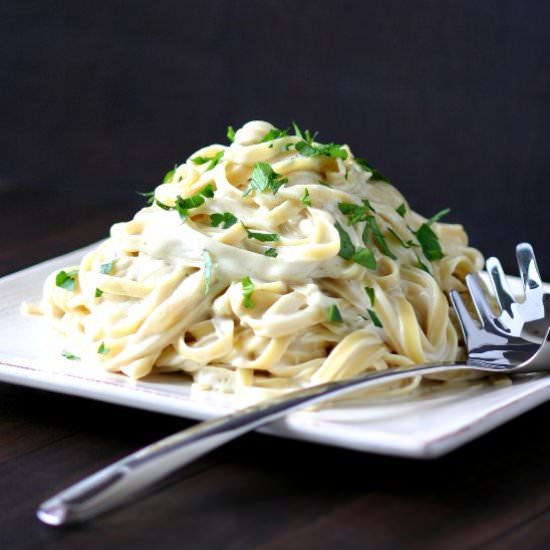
(258, 492)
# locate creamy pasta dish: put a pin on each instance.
(268, 264)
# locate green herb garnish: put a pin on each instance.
(248, 290)
(70, 356)
(163, 206)
(107, 267)
(208, 270)
(271, 252)
(406, 244)
(103, 349)
(334, 315)
(438, 216)
(194, 201)
(355, 212)
(66, 279)
(264, 179)
(370, 293)
(429, 242)
(305, 198)
(379, 239)
(420, 264)
(98, 293)
(364, 257)
(374, 318)
(263, 237)
(227, 219)
(149, 195)
(401, 209)
(347, 249)
(230, 134)
(274, 133)
(169, 175)
(376, 175)
(212, 161)
(327, 150)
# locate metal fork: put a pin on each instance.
(491, 349)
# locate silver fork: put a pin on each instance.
(491, 349)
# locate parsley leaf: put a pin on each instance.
(103, 349)
(305, 198)
(149, 195)
(346, 246)
(420, 264)
(194, 201)
(406, 244)
(212, 161)
(208, 270)
(265, 179)
(429, 242)
(169, 175)
(107, 267)
(334, 315)
(370, 292)
(328, 150)
(70, 356)
(271, 252)
(248, 290)
(263, 237)
(98, 293)
(230, 134)
(374, 318)
(227, 219)
(274, 133)
(364, 257)
(355, 212)
(376, 175)
(438, 216)
(379, 239)
(163, 206)
(66, 279)
(401, 209)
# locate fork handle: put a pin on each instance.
(124, 479)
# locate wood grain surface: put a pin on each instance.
(258, 492)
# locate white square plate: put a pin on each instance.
(424, 425)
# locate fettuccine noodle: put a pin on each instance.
(273, 263)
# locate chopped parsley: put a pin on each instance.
(429, 242)
(194, 201)
(420, 264)
(304, 136)
(248, 290)
(370, 293)
(401, 209)
(438, 216)
(169, 175)
(305, 198)
(163, 206)
(334, 315)
(212, 161)
(98, 293)
(379, 239)
(271, 252)
(355, 212)
(346, 246)
(208, 270)
(107, 268)
(66, 279)
(361, 256)
(406, 244)
(374, 318)
(376, 175)
(102, 349)
(364, 257)
(230, 134)
(264, 179)
(332, 150)
(263, 237)
(70, 356)
(226, 220)
(149, 195)
(274, 133)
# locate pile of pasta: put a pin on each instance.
(266, 265)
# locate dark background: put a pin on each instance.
(450, 99)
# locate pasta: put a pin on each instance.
(273, 263)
